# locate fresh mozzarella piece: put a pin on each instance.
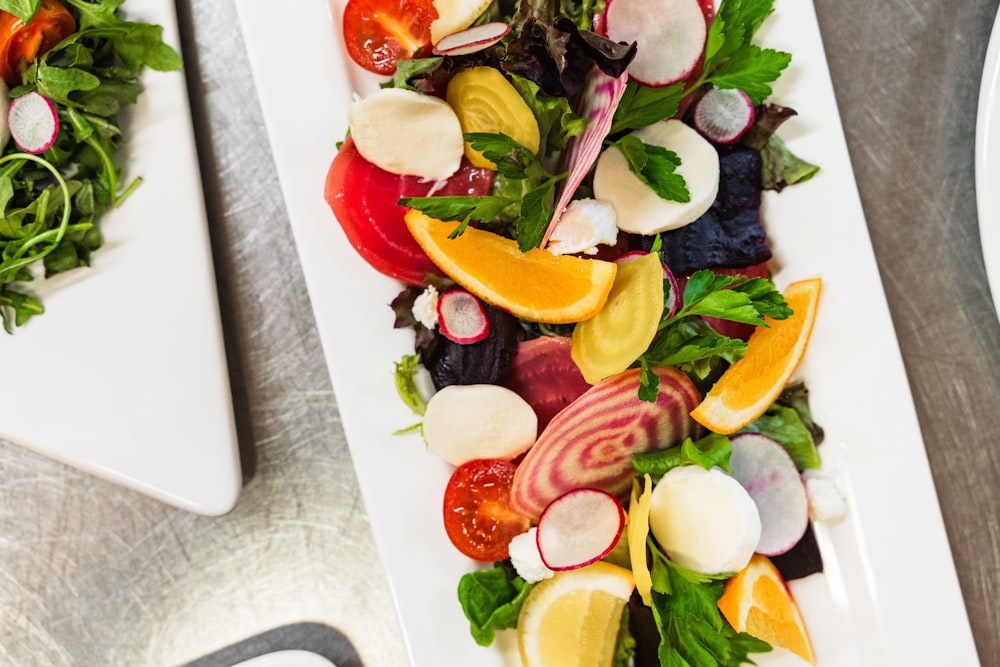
(585, 224)
(4, 108)
(704, 520)
(478, 421)
(455, 15)
(640, 210)
(430, 145)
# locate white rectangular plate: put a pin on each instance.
(124, 375)
(889, 594)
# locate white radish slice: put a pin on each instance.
(724, 114)
(432, 145)
(670, 36)
(704, 520)
(478, 421)
(455, 15)
(33, 122)
(640, 210)
(769, 475)
(461, 317)
(471, 39)
(578, 528)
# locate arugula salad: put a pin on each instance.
(570, 195)
(69, 69)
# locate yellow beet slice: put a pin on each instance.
(485, 101)
(610, 341)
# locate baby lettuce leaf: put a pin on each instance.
(491, 600)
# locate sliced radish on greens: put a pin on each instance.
(670, 35)
(461, 317)
(763, 467)
(579, 528)
(33, 121)
(723, 115)
(472, 39)
(599, 100)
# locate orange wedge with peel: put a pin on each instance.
(757, 601)
(572, 619)
(535, 285)
(749, 387)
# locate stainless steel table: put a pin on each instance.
(92, 574)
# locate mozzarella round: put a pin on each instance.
(704, 520)
(430, 144)
(478, 421)
(639, 209)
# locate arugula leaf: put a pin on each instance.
(693, 631)
(50, 205)
(557, 123)
(780, 167)
(491, 600)
(656, 167)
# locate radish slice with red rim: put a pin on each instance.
(723, 115)
(33, 122)
(461, 317)
(578, 528)
(670, 35)
(472, 39)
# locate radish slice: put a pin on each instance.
(672, 298)
(723, 115)
(769, 475)
(471, 39)
(670, 35)
(599, 99)
(578, 528)
(33, 122)
(461, 317)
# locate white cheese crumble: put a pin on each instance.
(525, 557)
(425, 307)
(584, 225)
(826, 502)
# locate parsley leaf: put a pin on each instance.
(533, 205)
(693, 631)
(656, 167)
(710, 451)
(644, 105)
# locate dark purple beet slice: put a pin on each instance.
(801, 560)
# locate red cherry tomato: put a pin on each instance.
(377, 33)
(363, 198)
(21, 43)
(477, 513)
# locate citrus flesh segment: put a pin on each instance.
(573, 618)
(535, 285)
(749, 387)
(757, 601)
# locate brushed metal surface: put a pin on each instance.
(93, 574)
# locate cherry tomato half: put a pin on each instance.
(363, 199)
(21, 43)
(477, 513)
(377, 33)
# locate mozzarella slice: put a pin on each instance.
(640, 210)
(704, 520)
(407, 133)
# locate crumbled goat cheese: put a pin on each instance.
(583, 225)
(526, 559)
(826, 502)
(425, 307)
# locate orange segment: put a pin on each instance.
(758, 602)
(748, 387)
(534, 285)
(573, 618)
